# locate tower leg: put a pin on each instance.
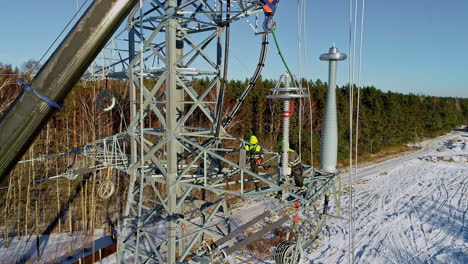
(171, 119)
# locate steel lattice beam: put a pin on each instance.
(169, 164)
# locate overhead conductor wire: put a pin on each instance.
(58, 37)
(311, 116)
(302, 61)
(353, 183)
(352, 180)
(300, 74)
(302, 7)
(79, 8)
(351, 108)
(357, 110)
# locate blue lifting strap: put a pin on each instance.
(269, 8)
(44, 98)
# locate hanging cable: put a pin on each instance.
(351, 92)
(306, 71)
(253, 80)
(301, 63)
(299, 58)
(357, 115)
(32, 182)
(303, 71)
(354, 166)
(353, 193)
(58, 37)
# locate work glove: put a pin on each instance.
(259, 161)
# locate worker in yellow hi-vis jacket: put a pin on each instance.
(254, 155)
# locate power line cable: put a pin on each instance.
(301, 54)
(59, 36)
(352, 183)
(353, 171)
(350, 62)
(358, 99)
(311, 119)
(351, 109)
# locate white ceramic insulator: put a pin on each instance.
(286, 170)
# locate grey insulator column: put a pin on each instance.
(287, 94)
(28, 114)
(329, 139)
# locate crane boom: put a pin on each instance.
(28, 114)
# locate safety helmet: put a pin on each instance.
(253, 140)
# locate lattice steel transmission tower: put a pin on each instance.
(184, 179)
(188, 178)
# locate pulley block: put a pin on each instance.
(287, 252)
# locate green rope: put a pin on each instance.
(281, 55)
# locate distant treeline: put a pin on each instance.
(385, 120)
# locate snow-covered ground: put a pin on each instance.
(54, 248)
(410, 209)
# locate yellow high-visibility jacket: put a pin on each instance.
(254, 152)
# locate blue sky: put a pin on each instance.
(417, 46)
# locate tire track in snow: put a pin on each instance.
(398, 215)
(442, 235)
(452, 218)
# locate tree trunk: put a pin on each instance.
(57, 181)
(83, 218)
(70, 210)
(7, 207)
(37, 234)
(18, 199)
(28, 194)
